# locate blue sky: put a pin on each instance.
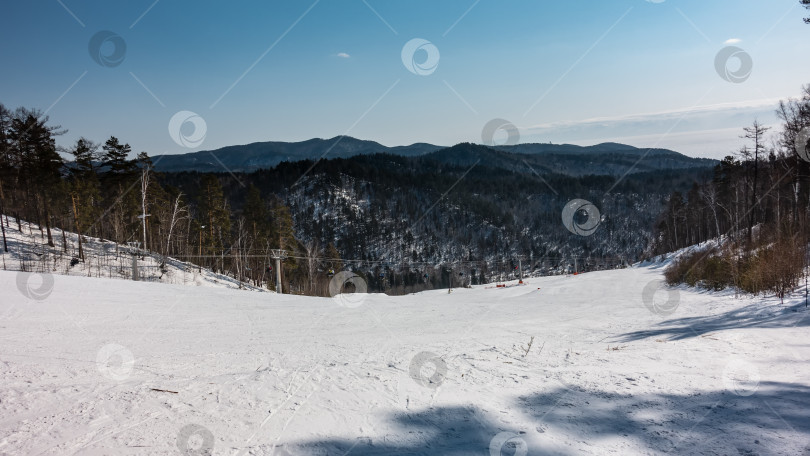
(582, 72)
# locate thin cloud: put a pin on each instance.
(344, 55)
(715, 108)
(709, 143)
(708, 131)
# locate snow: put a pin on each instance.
(28, 251)
(101, 366)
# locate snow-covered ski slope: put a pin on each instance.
(103, 367)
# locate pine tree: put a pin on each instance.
(6, 163)
(85, 156)
(259, 229)
(333, 256)
(284, 230)
(215, 216)
(115, 157)
(257, 215)
(84, 188)
(285, 234)
(756, 134)
(119, 180)
(41, 164)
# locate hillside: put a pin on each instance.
(588, 364)
(565, 159)
(28, 252)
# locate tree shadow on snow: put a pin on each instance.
(438, 431)
(755, 315)
(768, 421)
(772, 420)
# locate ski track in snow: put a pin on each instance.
(288, 375)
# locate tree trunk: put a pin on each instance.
(48, 224)
(3, 227)
(78, 228)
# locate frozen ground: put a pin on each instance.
(611, 370)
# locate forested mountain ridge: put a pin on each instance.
(262, 155)
(565, 158)
(603, 159)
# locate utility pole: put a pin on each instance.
(278, 255)
(144, 187)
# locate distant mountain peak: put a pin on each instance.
(615, 145)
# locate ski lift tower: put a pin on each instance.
(133, 250)
(278, 255)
